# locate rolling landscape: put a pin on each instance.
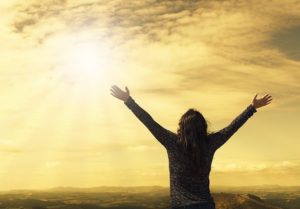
(264, 197)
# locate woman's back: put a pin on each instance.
(186, 186)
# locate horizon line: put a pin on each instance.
(107, 186)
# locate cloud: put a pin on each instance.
(204, 49)
(198, 48)
(287, 41)
(256, 173)
(264, 167)
(148, 19)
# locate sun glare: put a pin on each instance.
(87, 61)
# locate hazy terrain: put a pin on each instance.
(263, 197)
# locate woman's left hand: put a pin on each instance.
(118, 93)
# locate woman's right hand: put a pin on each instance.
(257, 103)
(118, 93)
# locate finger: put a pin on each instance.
(119, 90)
(115, 87)
(268, 99)
(265, 97)
(114, 92)
(127, 90)
(269, 96)
(115, 96)
(255, 96)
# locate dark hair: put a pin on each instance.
(192, 139)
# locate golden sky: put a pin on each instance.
(60, 126)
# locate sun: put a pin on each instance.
(87, 61)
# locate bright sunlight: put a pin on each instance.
(87, 62)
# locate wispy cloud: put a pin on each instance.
(257, 173)
(260, 166)
(235, 35)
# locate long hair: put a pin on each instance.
(192, 139)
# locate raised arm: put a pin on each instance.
(164, 136)
(220, 137)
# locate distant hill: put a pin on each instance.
(214, 188)
(119, 198)
(257, 188)
(240, 201)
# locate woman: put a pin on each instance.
(191, 150)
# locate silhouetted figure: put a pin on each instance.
(190, 150)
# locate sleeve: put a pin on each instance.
(164, 136)
(220, 137)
